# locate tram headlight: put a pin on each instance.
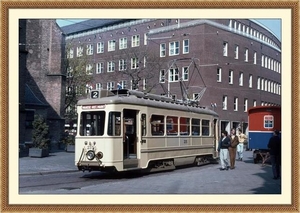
(99, 155)
(90, 155)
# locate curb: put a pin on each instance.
(48, 172)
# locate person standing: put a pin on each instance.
(234, 141)
(224, 143)
(274, 146)
(240, 147)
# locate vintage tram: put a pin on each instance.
(125, 130)
(263, 121)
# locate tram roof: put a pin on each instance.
(258, 108)
(133, 97)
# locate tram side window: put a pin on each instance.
(143, 123)
(205, 127)
(184, 126)
(172, 125)
(157, 125)
(114, 124)
(92, 123)
(195, 126)
(268, 121)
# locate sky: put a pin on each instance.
(272, 24)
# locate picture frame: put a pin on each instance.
(7, 149)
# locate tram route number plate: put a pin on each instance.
(95, 94)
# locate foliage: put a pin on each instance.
(77, 79)
(40, 133)
(68, 140)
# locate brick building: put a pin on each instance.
(229, 65)
(41, 81)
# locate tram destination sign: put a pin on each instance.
(93, 107)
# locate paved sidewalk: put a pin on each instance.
(58, 161)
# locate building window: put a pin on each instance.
(224, 107)
(110, 85)
(258, 82)
(79, 51)
(89, 69)
(241, 79)
(254, 103)
(250, 81)
(122, 65)
(246, 54)
(266, 85)
(173, 75)
(99, 67)
(245, 105)
(162, 50)
(134, 63)
(123, 84)
(99, 86)
(122, 43)
(236, 104)
(255, 58)
(236, 52)
(100, 47)
(186, 47)
(145, 84)
(89, 49)
(145, 38)
(185, 73)
(69, 72)
(111, 45)
(135, 41)
(225, 49)
(230, 77)
(174, 48)
(219, 74)
(162, 76)
(262, 60)
(262, 84)
(266, 62)
(110, 66)
(70, 53)
(134, 84)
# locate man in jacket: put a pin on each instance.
(274, 146)
(224, 143)
(234, 141)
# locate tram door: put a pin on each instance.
(130, 134)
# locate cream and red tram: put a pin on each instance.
(126, 130)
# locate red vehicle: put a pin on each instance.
(263, 121)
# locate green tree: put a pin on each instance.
(79, 75)
(40, 132)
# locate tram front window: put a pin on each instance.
(92, 123)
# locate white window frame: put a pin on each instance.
(111, 45)
(174, 48)
(110, 85)
(122, 65)
(134, 63)
(236, 52)
(236, 104)
(162, 75)
(219, 74)
(230, 76)
(241, 79)
(254, 103)
(111, 66)
(99, 86)
(89, 69)
(135, 41)
(79, 51)
(173, 75)
(100, 47)
(185, 73)
(124, 84)
(185, 46)
(70, 53)
(245, 104)
(246, 54)
(123, 43)
(99, 67)
(224, 101)
(162, 50)
(258, 83)
(250, 80)
(225, 48)
(89, 49)
(255, 58)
